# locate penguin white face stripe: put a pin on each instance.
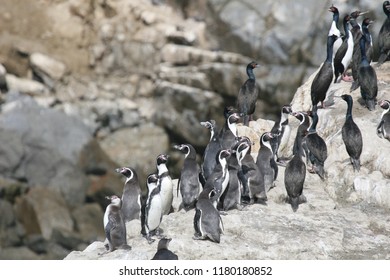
(188, 151)
(266, 144)
(131, 174)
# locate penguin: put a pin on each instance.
(351, 135)
(265, 161)
(324, 77)
(282, 129)
(295, 174)
(212, 148)
(219, 179)
(248, 94)
(229, 137)
(356, 58)
(163, 253)
(384, 35)
(131, 197)
(317, 149)
(114, 225)
(153, 208)
(189, 184)
(343, 55)
(253, 190)
(334, 29)
(207, 220)
(165, 184)
(383, 128)
(227, 111)
(367, 78)
(304, 124)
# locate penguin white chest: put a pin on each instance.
(154, 212)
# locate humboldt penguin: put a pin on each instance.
(324, 77)
(334, 29)
(165, 184)
(153, 208)
(219, 179)
(351, 135)
(317, 149)
(265, 161)
(131, 197)
(343, 55)
(356, 58)
(384, 35)
(247, 95)
(282, 131)
(189, 184)
(253, 190)
(207, 220)
(114, 225)
(163, 253)
(367, 78)
(304, 123)
(212, 148)
(295, 174)
(229, 137)
(383, 129)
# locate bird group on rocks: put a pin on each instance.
(229, 177)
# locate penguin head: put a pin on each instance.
(301, 116)
(163, 243)
(228, 110)
(386, 7)
(162, 159)
(152, 178)
(234, 118)
(287, 109)
(186, 149)
(224, 154)
(208, 124)
(128, 172)
(115, 200)
(384, 104)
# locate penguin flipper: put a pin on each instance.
(379, 129)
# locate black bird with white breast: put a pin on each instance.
(383, 129)
(351, 135)
(384, 35)
(334, 29)
(248, 94)
(324, 77)
(367, 78)
(343, 55)
(282, 131)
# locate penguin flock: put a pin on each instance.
(229, 177)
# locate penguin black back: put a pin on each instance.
(212, 148)
(248, 94)
(384, 35)
(163, 253)
(351, 135)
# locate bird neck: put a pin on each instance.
(298, 139)
(346, 30)
(362, 44)
(313, 126)
(329, 48)
(349, 108)
(336, 16)
(249, 72)
(366, 33)
(233, 128)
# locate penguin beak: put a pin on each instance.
(118, 170)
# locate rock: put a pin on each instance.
(48, 69)
(25, 86)
(88, 220)
(42, 210)
(11, 232)
(18, 253)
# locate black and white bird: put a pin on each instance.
(334, 29)
(317, 149)
(266, 162)
(367, 78)
(383, 128)
(163, 252)
(343, 55)
(324, 77)
(211, 150)
(384, 35)
(304, 124)
(189, 184)
(228, 137)
(351, 135)
(248, 94)
(165, 184)
(282, 131)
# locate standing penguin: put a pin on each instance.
(248, 94)
(163, 253)
(131, 197)
(295, 174)
(324, 77)
(189, 184)
(153, 208)
(384, 35)
(207, 220)
(265, 161)
(212, 148)
(114, 225)
(304, 123)
(250, 177)
(343, 55)
(165, 184)
(367, 78)
(228, 138)
(383, 129)
(317, 149)
(282, 131)
(352, 137)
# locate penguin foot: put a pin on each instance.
(198, 237)
(223, 213)
(283, 161)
